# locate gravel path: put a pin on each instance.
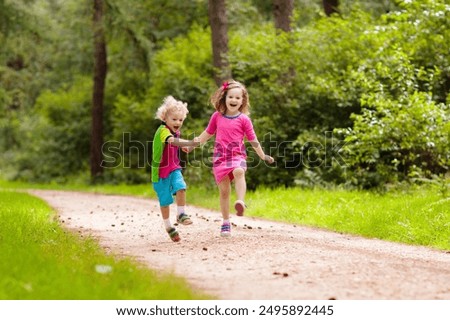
(263, 260)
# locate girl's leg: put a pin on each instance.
(240, 183)
(225, 190)
(224, 193)
(241, 189)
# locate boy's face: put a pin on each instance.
(174, 120)
(234, 101)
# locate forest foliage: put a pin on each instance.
(359, 99)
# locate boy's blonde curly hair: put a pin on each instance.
(218, 98)
(169, 105)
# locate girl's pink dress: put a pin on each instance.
(229, 148)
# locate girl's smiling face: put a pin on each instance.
(174, 120)
(233, 101)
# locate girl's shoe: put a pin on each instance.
(225, 230)
(174, 235)
(240, 206)
(184, 219)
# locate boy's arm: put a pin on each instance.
(182, 143)
(260, 152)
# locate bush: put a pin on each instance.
(55, 140)
(394, 140)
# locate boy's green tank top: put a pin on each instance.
(159, 142)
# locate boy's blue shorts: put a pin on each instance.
(167, 187)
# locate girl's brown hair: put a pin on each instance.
(218, 98)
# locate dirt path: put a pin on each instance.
(263, 260)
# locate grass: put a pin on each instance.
(419, 217)
(39, 260)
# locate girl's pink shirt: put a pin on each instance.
(229, 148)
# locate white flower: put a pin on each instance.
(103, 269)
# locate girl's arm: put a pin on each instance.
(260, 152)
(205, 136)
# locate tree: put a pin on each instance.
(282, 11)
(330, 7)
(219, 37)
(100, 70)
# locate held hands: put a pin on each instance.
(196, 142)
(187, 149)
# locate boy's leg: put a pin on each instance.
(165, 199)
(181, 198)
(165, 212)
(178, 186)
(173, 233)
(182, 217)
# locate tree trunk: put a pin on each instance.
(282, 11)
(219, 37)
(100, 70)
(330, 7)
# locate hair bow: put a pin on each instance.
(225, 85)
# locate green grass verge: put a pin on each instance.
(39, 260)
(419, 216)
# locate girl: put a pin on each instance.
(230, 124)
(166, 170)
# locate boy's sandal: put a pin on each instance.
(173, 234)
(240, 206)
(184, 219)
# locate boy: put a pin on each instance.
(167, 178)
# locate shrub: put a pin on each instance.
(394, 140)
(55, 139)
